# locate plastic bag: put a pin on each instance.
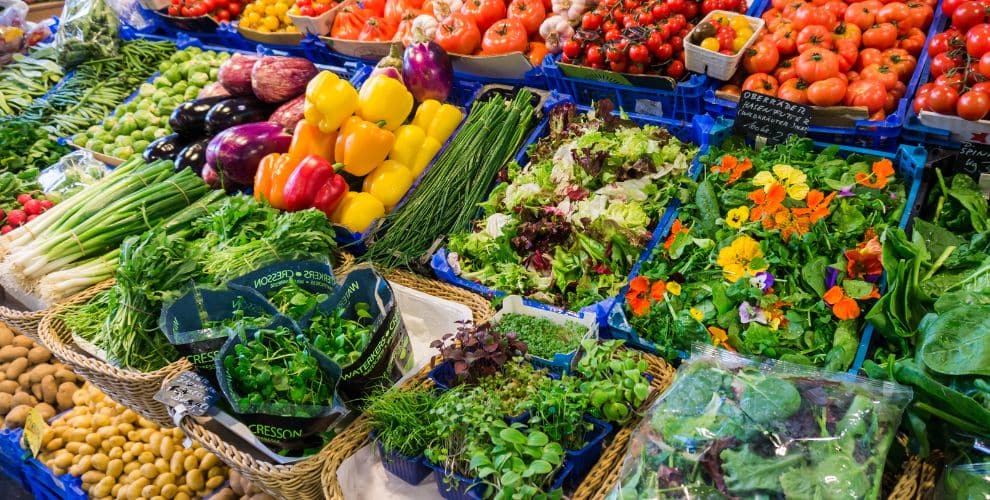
(130, 13)
(88, 30)
(969, 481)
(71, 174)
(730, 426)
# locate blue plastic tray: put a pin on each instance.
(696, 131)
(908, 160)
(462, 95)
(880, 135)
(583, 460)
(11, 456)
(456, 487)
(412, 470)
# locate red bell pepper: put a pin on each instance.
(314, 184)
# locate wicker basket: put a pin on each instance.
(23, 322)
(481, 308)
(356, 437)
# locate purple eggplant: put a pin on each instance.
(192, 156)
(235, 74)
(289, 114)
(235, 111)
(277, 79)
(236, 152)
(427, 71)
(188, 118)
(390, 65)
(164, 148)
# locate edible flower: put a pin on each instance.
(794, 181)
(864, 261)
(731, 165)
(749, 313)
(636, 296)
(719, 337)
(674, 231)
(657, 290)
(762, 280)
(831, 276)
(881, 169)
(737, 217)
(674, 288)
(817, 205)
(843, 306)
(768, 201)
(737, 260)
(846, 192)
(696, 314)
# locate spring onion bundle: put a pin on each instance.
(448, 197)
(88, 228)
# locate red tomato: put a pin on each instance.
(881, 73)
(810, 15)
(869, 56)
(847, 31)
(952, 79)
(762, 83)
(814, 36)
(505, 37)
(978, 40)
(942, 99)
(899, 90)
(920, 15)
(969, 14)
(639, 54)
(675, 70)
(942, 64)
(827, 92)
(590, 21)
(981, 86)
(861, 15)
(761, 57)
(594, 55)
(794, 90)
(848, 53)
(894, 12)
(949, 6)
(484, 12)
(786, 41)
(376, 6)
(880, 36)
(921, 102)
(902, 62)
(664, 52)
(912, 41)
(376, 29)
(349, 22)
(973, 105)
(531, 13)
(866, 93)
(836, 8)
(459, 35)
(816, 64)
(983, 65)
(943, 42)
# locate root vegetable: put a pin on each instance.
(23, 398)
(11, 352)
(45, 410)
(6, 336)
(9, 387)
(22, 341)
(39, 372)
(16, 368)
(15, 418)
(64, 396)
(38, 355)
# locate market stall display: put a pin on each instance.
(32, 380)
(26, 78)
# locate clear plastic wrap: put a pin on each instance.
(88, 30)
(71, 174)
(130, 13)
(969, 481)
(731, 426)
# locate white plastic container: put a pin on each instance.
(715, 64)
(962, 130)
(515, 304)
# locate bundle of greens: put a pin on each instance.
(935, 317)
(13, 185)
(88, 30)
(26, 146)
(543, 337)
(295, 301)
(342, 340)
(28, 77)
(568, 227)
(731, 427)
(773, 255)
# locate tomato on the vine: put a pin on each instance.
(952, 79)
(675, 70)
(978, 40)
(591, 21)
(942, 99)
(969, 14)
(973, 105)
(571, 48)
(639, 53)
(943, 63)
(594, 55)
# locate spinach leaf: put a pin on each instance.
(965, 191)
(692, 394)
(848, 219)
(748, 472)
(770, 399)
(937, 239)
(959, 342)
(707, 203)
(813, 274)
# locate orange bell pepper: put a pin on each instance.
(263, 177)
(307, 139)
(362, 145)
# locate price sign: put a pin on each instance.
(35, 428)
(760, 115)
(974, 159)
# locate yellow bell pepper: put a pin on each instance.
(408, 141)
(362, 145)
(438, 120)
(384, 99)
(425, 154)
(389, 183)
(357, 211)
(329, 101)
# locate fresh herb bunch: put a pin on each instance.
(557, 407)
(726, 428)
(26, 146)
(13, 185)
(477, 352)
(342, 340)
(274, 368)
(612, 378)
(397, 417)
(295, 301)
(239, 316)
(543, 337)
(775, 253)
(530, 471)
(933, 320)
(567, 228)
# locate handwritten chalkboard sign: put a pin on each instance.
(974, 159)
(760, 115)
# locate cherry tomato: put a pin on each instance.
(591, 21)
(942, 99)
(921, 102)
(942, 64)
(639, 53)
(983, 65)
(949, 6)
(973, 105)
(675, 70)
(952, 79)
(981, 86)
(571, 48)
(660, 10)
(827, 92)
(594, 54)
(664, 52)
(978, 40)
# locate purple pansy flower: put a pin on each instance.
(831, 277)
(751, 314)
(846, 192)
(762, 280)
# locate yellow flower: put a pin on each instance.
(696, 314)
(794, 180)
(736, 259)
(737, 217)
(674, 287)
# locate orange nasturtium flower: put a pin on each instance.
(878, 179)
(637, 297)
(817, 205)
(767, 202)
(674, 231)
(719, 337)
(843, 306)
(657, 290)
(864, 261)
(731, 165)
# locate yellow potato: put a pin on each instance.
(63, 459)
(146, 457)
(214, 483)
(93, 477)
(115, 467)
(15, 418)
(55, 444)
(22, 341)
(169, 490)
(6, 335)
(194, 479)
(208, 461)
(16, 368)
(115, 452)
(149, 471)
(149, 491)
(38, 355)
(102, 488)
(190, 463)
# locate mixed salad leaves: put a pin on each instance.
(731, 427)
(567, 228)
(934, 320)
(776, 253)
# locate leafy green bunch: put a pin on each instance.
(612, 378)
(342, 340)
(295, 301)
(530, 467)
(397, 416)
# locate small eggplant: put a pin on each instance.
(237, 111)
(188, 118)
(164, 148)
(192, 156)
(236, 152)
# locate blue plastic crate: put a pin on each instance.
(457, 487)
(45, 485)
(909, 162)
(412, 470)
(462, 95)
(880, 135)
(583, 460)
(696, 131)
(12, 456)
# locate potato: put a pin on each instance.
(23, 398)
(93, 476)
(194, 479)
(64, 395)
(115, 452)
(45, 410)
(40, 371)
(214, 483)
(9, 386)
(208, 462)
(5, 402)
(149, 471)
(115, 467)
(162, 465)
(103, 487)
(82, 466)
(169, 490)
(236, 482)
(55, 444)
(10, 353)
(62, 459)
(190, 463)
(260, 496)
(94, 439)
(225, 494)
(73, 446)
(49, 390)
(22, 341)
(16, 368)
(215, 471)
(146, 457)
(182, 496)
(6, 336)
(165, 478)
(149, 491)
(16, 417)
(38, 355)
